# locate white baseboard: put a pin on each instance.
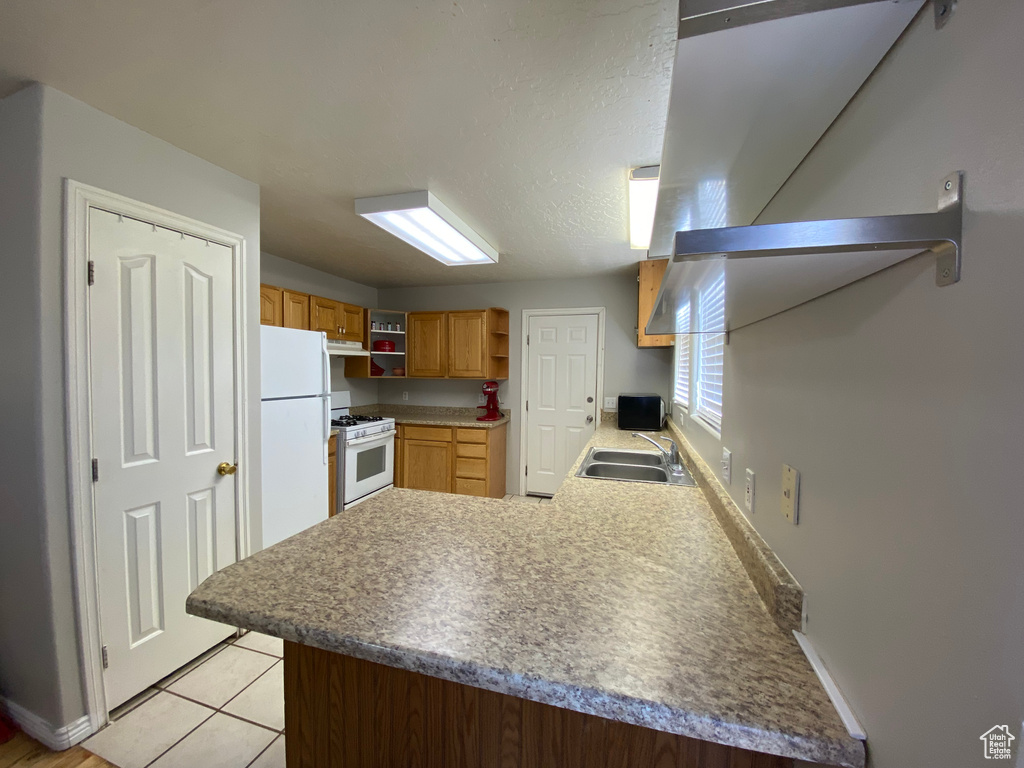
(50, 736)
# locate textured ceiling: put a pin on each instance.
(523, 117)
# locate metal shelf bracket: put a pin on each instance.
(939, 232)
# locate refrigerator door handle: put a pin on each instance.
(326, 364)
(327, 423)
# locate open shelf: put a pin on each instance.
(378, 352)
(378, 330)
(766, 269)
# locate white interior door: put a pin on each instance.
(163, 418)
(561, 396)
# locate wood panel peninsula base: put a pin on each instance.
(343, 712)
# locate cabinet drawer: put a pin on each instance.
(471, 435)
(474, 468)
(439, 434)
(471, 450)
(470, 487)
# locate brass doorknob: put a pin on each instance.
(226, 469)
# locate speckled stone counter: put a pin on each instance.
(623, 600)
(431, 415)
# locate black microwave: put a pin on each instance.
(642, 412)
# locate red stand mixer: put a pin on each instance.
(492, 411)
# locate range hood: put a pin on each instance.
(346, 349)
(754, 86)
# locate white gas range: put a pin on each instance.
(366, 452)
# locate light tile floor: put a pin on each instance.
(225, 709)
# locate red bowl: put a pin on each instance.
(383, 345)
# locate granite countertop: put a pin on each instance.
(431, 415)
(623, 600)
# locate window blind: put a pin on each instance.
(682, 385)
(711, 353)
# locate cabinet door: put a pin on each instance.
(427, 345)
(332, 477)
(296, 310)
(399, 459)
(467, 345)
(351, 322)
(651, 273)
(271, 305)
(427, 465)
(325, 315)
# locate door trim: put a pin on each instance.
(524, 381)
(78, 199)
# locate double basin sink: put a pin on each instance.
(631, 467)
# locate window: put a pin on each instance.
(710, 353)
(681, 393)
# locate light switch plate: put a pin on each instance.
(791, 493)
(481, 398)
(405, 395)
(727, 466)
(748, 494)
(611, 403)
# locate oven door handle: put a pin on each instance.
(389, 435)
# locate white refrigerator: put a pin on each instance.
(296, 402)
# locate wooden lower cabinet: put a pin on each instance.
(427, 458)
(480, 461)
(342, 711)
(466, 460)
(332, 476)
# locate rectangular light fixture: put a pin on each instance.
(424, 222)
(643, 197)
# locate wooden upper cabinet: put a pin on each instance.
(271, 305)
(651, 273)
(296, 310)
(427, 345)
(467, 345)
(325, 315)
(351, 322)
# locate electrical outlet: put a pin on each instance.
(727, 466)
(791, 493)
(481, 398)
(748, 494)
(611, 403)
(405, 395)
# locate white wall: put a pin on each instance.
(901, 403)
(39, 657)
(627, 368)
(297, 277)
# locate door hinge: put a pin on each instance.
(95, 470)
(106, 658)
(92, 272)
(527, 339)
(526, 472)
(527, 406)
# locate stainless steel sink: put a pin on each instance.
(631, 467)
(640, 458)
(628, 472)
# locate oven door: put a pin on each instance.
(369, 465)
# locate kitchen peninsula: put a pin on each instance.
(617, 623)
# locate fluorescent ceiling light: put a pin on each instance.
(424, 222)
(643, 197)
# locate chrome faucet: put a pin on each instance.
(672, 458)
